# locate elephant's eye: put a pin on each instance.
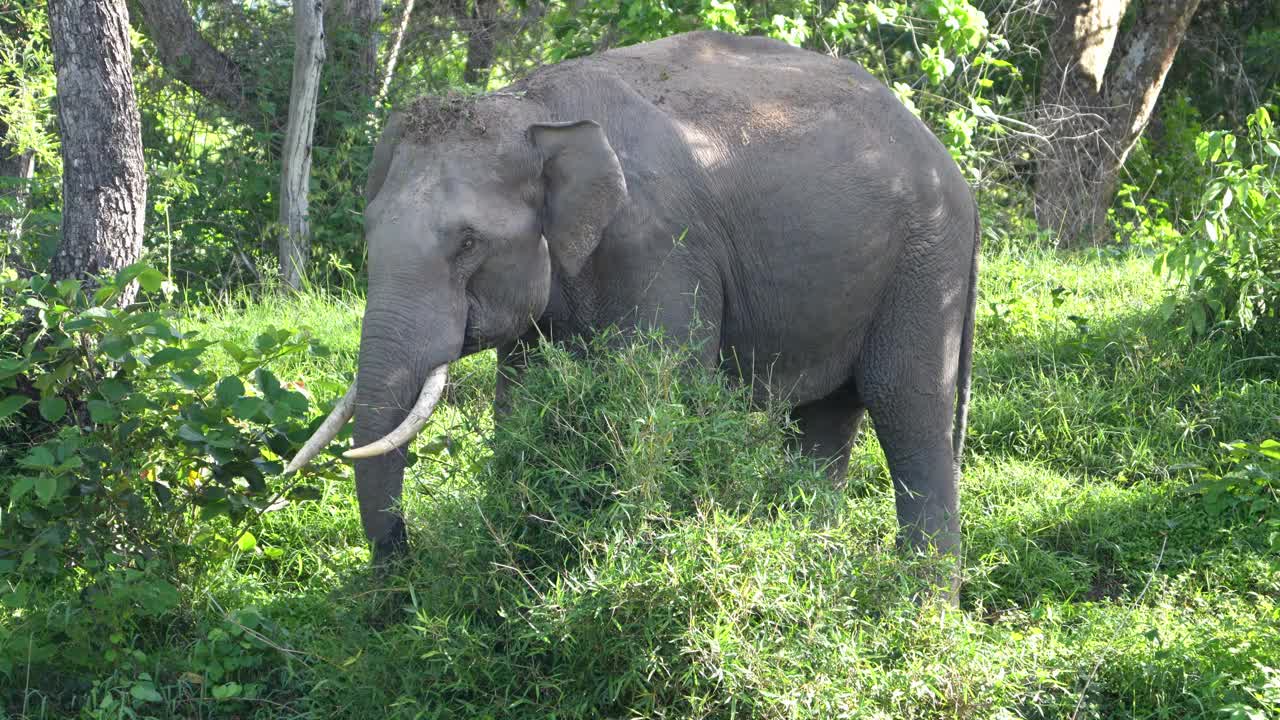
(468, 239)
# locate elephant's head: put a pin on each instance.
(469, 206)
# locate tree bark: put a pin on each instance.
(191, 59)
(480, 43)
(1093, 110)
(308, 61)
(104, 184)
(362, 17)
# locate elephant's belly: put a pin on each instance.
(797, 368)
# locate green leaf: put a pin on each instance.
(103, 294)
(226, 691)
(52, 407)
(67, 288)
(116, 347)
(1270, 448)
(128, 273)
(101, 411)
(191, 381)
(1211, 230)
(268, 383)
(151, 279)
(39, 457)
(167, 355)
(21, 487)
(113, 390)
(1199, 318)
(247, 542)
(247, 408)
(229, 390)
(46, 487)
(234, 350)
(146, 692)
(304, 493)
(12, 404)
(190, 434)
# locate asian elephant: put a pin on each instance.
(780, 208)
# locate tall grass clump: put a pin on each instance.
(643, 543)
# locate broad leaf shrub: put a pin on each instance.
(1249, 491)
(1228, 262)
(125, 469)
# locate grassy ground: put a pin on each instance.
(705, 574)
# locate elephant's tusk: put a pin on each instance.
(327, 431)
(432, 389)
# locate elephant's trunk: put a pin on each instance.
(404, 358)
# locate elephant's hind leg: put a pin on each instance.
(828, 429)
(907, 378)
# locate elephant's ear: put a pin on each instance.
(584, 188)
(382, 153)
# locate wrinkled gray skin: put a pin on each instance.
(823, 237)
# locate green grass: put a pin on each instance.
(637, 543)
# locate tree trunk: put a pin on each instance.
(480, 43)
(308, 61)
(190, 58)
(362, 17)
(104, 184)
(1093, 110)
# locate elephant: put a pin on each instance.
(779, 208)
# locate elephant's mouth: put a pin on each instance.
(473, 339)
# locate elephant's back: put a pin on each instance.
(759, 88)
(739, 103)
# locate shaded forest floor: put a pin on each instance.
(1099, 582)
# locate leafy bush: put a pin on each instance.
(117, 449)
(1162, 169)
(1250, 489)
(1228, 263)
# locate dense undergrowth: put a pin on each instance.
(637, 542)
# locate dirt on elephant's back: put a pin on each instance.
(759, 85)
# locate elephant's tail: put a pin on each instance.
(965, 372)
